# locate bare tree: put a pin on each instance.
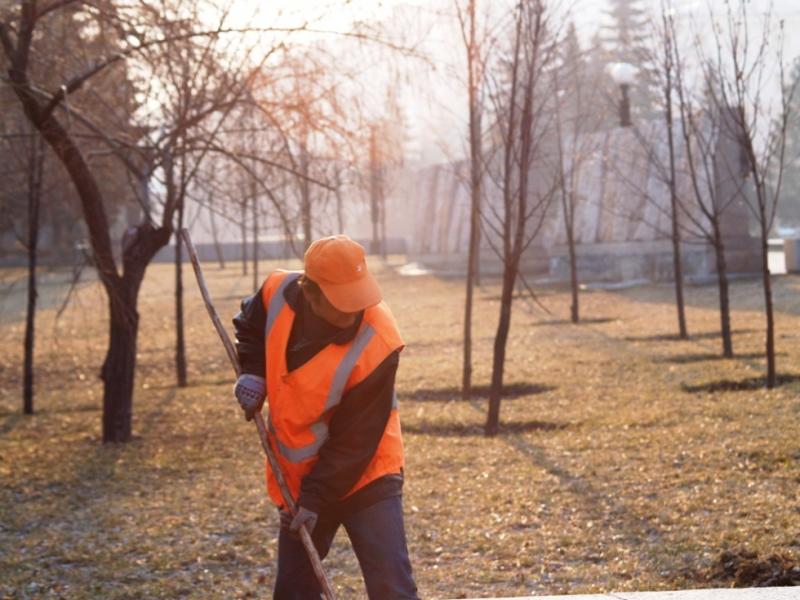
(196, 94)
(475, 50)
(385, 160)
(526, 185)
(18, 44)
(574, 122)
(712, 181)
(737, 74)
(664, 61)
(311, 132)
(660, 56)
(136, 32)
(31, 196)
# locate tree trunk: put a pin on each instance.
(574, 310)
(30, 318)
(118, 369)
(256, 282)
(139, 247)
(512, 246)
(339, 204)
(374, 246)
(477, 276)
(499, 357)
(475, 152)
(676, 234)
(384, 250)
(214, 235)
(305, 198)
(724, 296)
(472, 268)
(243, 228)
(466, 371)
(306, 217)
(472, 273)
(683, 332)
(35, 176)
(374, 191)
(180, 342)
(567, 206)
(768, 308)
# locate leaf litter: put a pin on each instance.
(622, 462)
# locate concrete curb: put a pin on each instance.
(773, 593)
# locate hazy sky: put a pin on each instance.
(433, 95)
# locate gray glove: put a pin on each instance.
(303, 516)
(250, 391)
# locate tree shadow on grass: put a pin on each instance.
(517, 296)
(470, 430)
(451, 393)
(195, 382)
(11, 421)
(78, 408)
(597, 321)
(682, 359)
(674, 337)
(742, 385)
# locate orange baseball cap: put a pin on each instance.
(338, 265)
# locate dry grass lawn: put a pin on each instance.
(626, 460)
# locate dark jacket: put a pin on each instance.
(357, 425)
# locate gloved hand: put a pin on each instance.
(303, 516)
(250, 391)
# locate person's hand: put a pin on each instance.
(303, 516)
(250, 391)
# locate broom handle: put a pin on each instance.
(263, 434)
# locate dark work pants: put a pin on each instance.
(379, 541)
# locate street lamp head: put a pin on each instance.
(623, 73)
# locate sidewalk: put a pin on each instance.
(774, 593)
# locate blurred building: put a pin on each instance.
(622, 211)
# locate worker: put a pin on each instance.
(323, 348)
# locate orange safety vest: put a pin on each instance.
(302, 402)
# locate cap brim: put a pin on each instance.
(353, 296)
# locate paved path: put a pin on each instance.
(774, 593)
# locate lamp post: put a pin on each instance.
(624, 75)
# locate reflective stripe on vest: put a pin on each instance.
(320, 428)
(277, 302)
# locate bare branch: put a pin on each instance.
(7, 42)
(75, 84)
(55, 6)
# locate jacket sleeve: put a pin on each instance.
(249, 324)
(355, 430)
